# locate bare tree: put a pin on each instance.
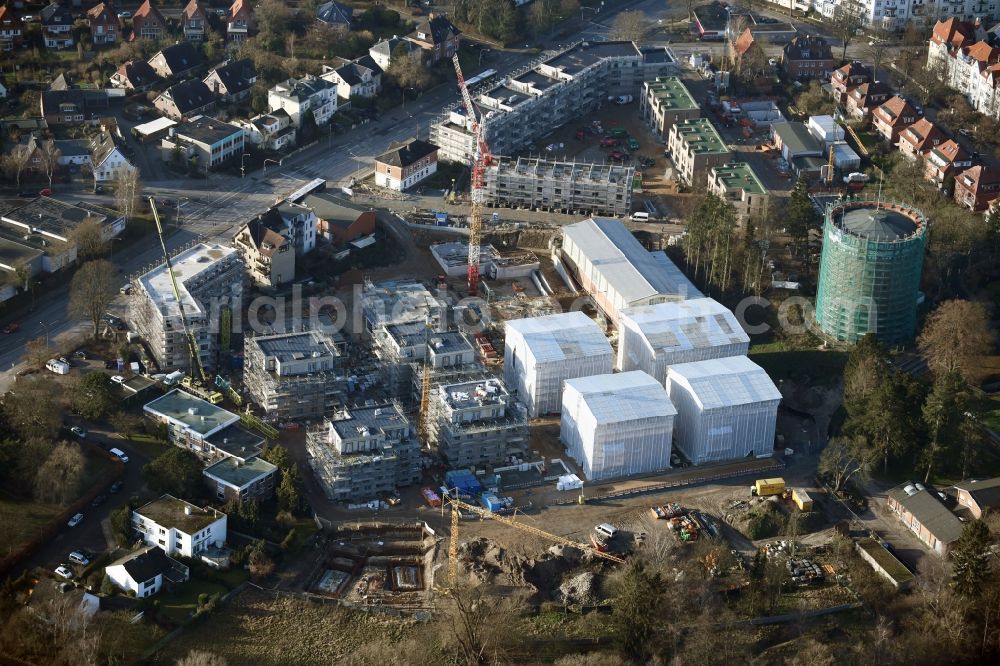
(60, 476)
(92, 290)
(37, 352)
(16, 161)
(847, 20)
(877, 48)
(954, 336)
(201, 658)
(128, 190)
(49, 155)
(629, 26)
(89, 239)
(409, 71)
(844, 458)
(478, 624)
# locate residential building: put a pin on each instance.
(453, 257)
(294, 376)
(356, 78)
(209, 276)
(919, 138)
(185, 101)
(206, 429)
(666, 102)
(399, 302)
(363, 453)
(240, 22)
(980, 496)
(892, 117)
(148, 22)
(977, 187)
(737, 183)
(135, 75)
(847, 78)
(303, 96)
(335, 15)
(612, 266)
(926, 516)
(748, 56)
(269, 131)
(268, 256)
(944, 161)
(695, 146)
(177, 60)
(72, 152)
(557, 90)
(206, 141)
(866, 97)
(949, 37)
(960, 53)
(807, 56)
(145, 572)
(57, 26)
(381, 53)
(301, 225)
(401, 345)
(179, 528)
(477, 423)
(104, 25)
(194, 22)
(403, 166)
(336, 222)
(229, 479)
(570, 187)
(11, 29)
(437, 36)
(73, 107)
(107, 157)
(232, 81)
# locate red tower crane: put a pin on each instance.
(481, 159)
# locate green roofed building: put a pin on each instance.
(738, 183)
(869, 274)
(666, 102)
(247, 479)
(695, 146)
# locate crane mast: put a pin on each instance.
(481, 159)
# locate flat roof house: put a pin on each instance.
(738, 183)
(695, 146)
(665, 102)
(209, 430)
(178, 527)
(251, 479)
(208, 141)
(926, 516)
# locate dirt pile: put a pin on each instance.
(583, 589)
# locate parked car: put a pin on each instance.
(98, 189)
(617, 155)
(11, 328)
(124, 15)
(115, 487)
(63, 571)
(99, 500)
(80, 557)
(118, 379)
(126, 289)
(45, 192)
(79, 432)
(75, 520)
(608, 142)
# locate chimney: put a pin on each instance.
(187, 509)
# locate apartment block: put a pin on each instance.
(399, 302)
(294, 375)
(478, 422)
(398, 346)
(968, 62)
(553, 91)
(666, 102)
(364, 452)
(179, 528)
(695, 146)
(207, 141)
(209, 277)
(568, 187)
(737, 183)
(231, 478)
(208, 430)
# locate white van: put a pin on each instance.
(641, 216)
(120, 455)
(57, 366)
(606, 530)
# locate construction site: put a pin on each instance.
(579, 188)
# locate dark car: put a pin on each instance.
(98, 501)
(98, 189)
(617, 155)
(110, 364)
(115, 487)
(11, 328)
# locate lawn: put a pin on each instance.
(20, 520)
(149, 446)
(182, 601)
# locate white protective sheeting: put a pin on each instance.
(654, 337)
(617, 425)
(726, 409)
(540, 353)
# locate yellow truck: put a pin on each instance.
(802, 499)
(767, 487)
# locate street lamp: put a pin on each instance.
(404, 95)
(180, 202)
(482, 52)
(46, 327)
(243, 161)
(357, 173)
(278, 162)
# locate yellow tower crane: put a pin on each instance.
(457, 504)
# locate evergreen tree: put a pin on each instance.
(943, 413)
(801, 215)
(636, 612)
(971, 559)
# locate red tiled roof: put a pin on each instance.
(978, 176)
(921, 134)
(743, 43)
(953, 32)
(9, 19)
(951, 151)
(894, 110)
(983, 53)
(192, 10)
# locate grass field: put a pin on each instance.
(20, 520)
(183, 600)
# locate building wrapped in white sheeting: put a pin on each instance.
(540, 353)
(653, 337)
(617, 425)
(726, 409)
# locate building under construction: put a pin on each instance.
(294, 375)
(453, 257)
(477, 422)
(364, 452)
(400, 302)
(567, 187)
(209, 282)
(400, 346)
(549, 93)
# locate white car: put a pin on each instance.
(124, 15)
(79, 557)
(63, 572)
(118, 379)
(79, 432)
(75, 520)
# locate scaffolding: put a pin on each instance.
(569, 187)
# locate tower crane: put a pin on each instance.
(481, 159)
(457, 504)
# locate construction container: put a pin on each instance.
(617, 425)
(432, 498)
(802, 499)
(726, 409)
(768, 487)
(653, 337)
(540, 353)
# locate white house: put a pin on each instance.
(271, 131)
(299, 97)
(144, 571)
(107, 158)
(179, 527)
(357, 78)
